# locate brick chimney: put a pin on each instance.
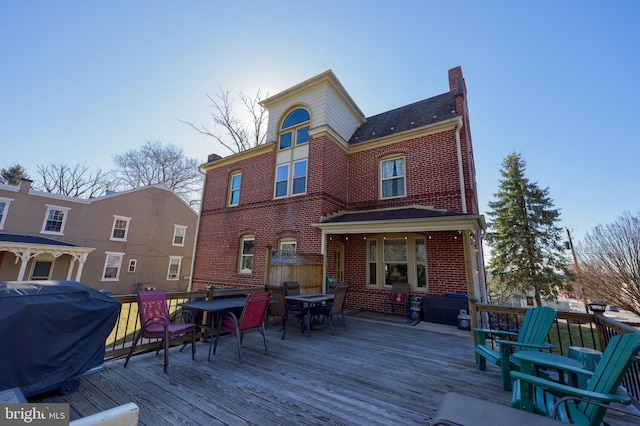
(456, 81)
(213, 157)
(25, 185)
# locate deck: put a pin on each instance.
(376, 373)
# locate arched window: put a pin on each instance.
(293, 144)
(295, 129)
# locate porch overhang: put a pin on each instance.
(26, 247)
(405, 219)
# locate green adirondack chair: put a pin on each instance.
(581, 406)
(533, 332)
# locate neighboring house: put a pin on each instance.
(121, 242)
(388, 198)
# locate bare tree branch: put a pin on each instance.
(610, 263)
(76, 181)
(236, 137)
(157, 163)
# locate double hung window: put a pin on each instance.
(174, 267)
(247, 245)
(234, 189)
(120, 228)
(179, 232)
(112, 266)
(54, 220)
(392, 178)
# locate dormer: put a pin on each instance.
(330, 107)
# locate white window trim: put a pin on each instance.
(7, 203)
(33, 267)
(133, 263)
(50, 207)
(288, 241)
(242, 255)
(175, 232)
(404, 177)
(126, 229)
(171, 260)
(232, 190)
(411, 261)
(104, 269)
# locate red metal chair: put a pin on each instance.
(155, 323)
(251, 319)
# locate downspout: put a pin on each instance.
(463, 195)
(195, 242)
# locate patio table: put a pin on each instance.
(310, 300)
(216, 307)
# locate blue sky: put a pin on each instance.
(554, 81)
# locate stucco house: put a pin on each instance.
(121, 242)
(388, 198)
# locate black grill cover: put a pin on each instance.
(51, 332)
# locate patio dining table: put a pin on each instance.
(215, 308)
(311, 300)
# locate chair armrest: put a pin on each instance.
(565, 390)
(482, 334)
(525, 345)
(567, 368)
(498, 332)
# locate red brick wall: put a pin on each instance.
(431, 174)
(445, 268)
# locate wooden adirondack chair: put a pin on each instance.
(533, 332)
(580, 406)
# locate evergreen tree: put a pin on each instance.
(13, 174)
(527, 252)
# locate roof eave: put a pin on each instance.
(472, 223)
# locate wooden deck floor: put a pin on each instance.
(373, 374)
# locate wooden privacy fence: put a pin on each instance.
(305, 268)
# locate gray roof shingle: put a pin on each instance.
(418, 114)
(32, 239)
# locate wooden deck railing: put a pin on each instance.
(570, 329)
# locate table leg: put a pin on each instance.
(308, 319)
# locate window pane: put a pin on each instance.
(247, 263)
(391, 168)
(235, 181)
(41, 270)
(421, 272)
(248, 246)
(285, 140)
(54, 220)
(281, 189)
(282, 173)
(373, 251)
(395, 273)
(395, 250)
(235, 198)
(300, 169)
(299, 185)
(297, 116)
(373, 278)
(302, 135)
(393, 187)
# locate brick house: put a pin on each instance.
(388, 198)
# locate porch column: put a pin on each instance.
(70, 268)
(323, 252)
(24, 259)
(81, 261)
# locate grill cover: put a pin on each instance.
(51, 332)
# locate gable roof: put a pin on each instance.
(408, 117)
